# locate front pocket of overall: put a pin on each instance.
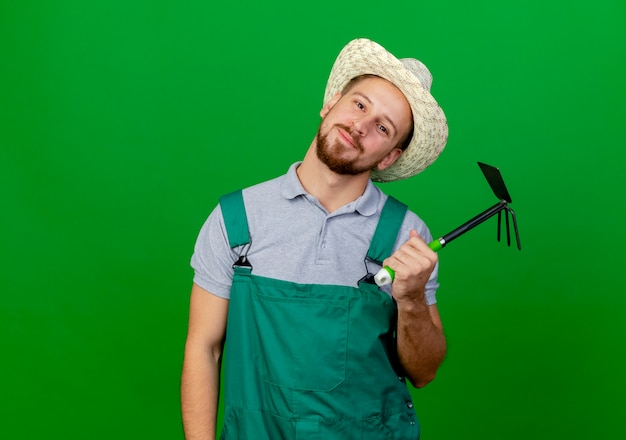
(302, 341)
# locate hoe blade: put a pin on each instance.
(494, 178)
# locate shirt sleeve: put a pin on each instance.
(213, 258)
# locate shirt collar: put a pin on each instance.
(366, 205)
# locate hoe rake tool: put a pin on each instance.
(494, 178)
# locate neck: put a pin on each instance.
(331, 189)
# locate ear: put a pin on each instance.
(330, 104)
(389, 159)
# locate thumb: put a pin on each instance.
(413, 233)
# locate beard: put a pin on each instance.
(332, 154)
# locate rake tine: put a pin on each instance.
(519, 244)
(499, 222)
(508, 229)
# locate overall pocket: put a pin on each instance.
(302, 340)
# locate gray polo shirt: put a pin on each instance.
(294, 238)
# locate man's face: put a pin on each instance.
(362, 129)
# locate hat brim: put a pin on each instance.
(430, 128)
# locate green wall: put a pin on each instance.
(121, 122)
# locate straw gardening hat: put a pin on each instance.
(430, 132)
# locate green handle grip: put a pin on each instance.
(386, 274)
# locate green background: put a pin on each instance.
(123, 121)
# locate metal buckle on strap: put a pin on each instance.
(242, 262)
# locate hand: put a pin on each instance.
(413, 262)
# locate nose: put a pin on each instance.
(359, 126)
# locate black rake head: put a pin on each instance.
(496, 182)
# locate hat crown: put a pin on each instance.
(420, 71)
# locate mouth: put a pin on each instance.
(345, 136)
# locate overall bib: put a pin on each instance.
(311, 361)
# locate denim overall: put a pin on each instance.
(310, 361)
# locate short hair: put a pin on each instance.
(357, 79)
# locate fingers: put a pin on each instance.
(413, 263)
(414, 247)
(413, 258)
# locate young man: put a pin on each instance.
(314, 349)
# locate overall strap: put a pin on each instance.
(387, 230)
(235, 219)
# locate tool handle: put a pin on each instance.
(387, 274)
